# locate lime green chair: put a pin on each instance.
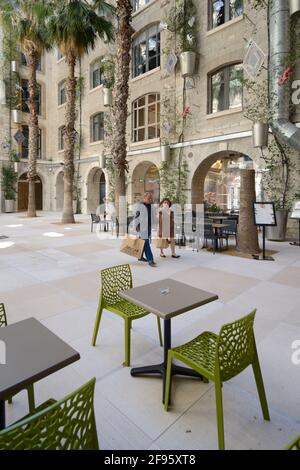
(220, 358)
(30, 391)
(68, 424)
(294, 445)
(113, 281)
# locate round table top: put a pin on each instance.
(219, 225)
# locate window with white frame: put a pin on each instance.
(62, 98)
(96, 75)
(146, 51)
(221, 11)
(146, 117)
(226, 88)
(97, 127)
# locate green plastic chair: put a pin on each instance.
(294, 445)
(113, 281)
(220, 358)
(30, 390)
(68, 424)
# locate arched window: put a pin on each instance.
(146, 117)
(146, 51)
(97, 127)
(62, 98)
(226, 88)
(96, 75)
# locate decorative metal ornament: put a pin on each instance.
(253, 60)
(171, 62)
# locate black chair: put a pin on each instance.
(96, 219)
(230, 229)
(210, 234)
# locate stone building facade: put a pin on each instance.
(215, 128)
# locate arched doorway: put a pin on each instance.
(23, 189)
(96, 189)
(217, 179)
(60, 191)
(145, 177)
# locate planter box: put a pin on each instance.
(260, 134)
(14, 66)
(165, 153)
(102, 161)
(294, 6)
(9, 205)
(187, 63)
(278, 233)
(17, 116)
(107, 97)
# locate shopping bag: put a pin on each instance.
(132, 246)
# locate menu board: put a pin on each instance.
(296, 210)
(264, 213)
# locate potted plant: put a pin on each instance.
(9, 181)
(256, 108)
(182, 21)
(108, 71)
(294, 6)
(165, 151)
(279, 183)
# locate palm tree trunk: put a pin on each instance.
(33, 132)
(120, 99)
(69, 140)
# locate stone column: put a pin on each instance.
(247, 231)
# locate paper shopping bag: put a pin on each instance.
(132, 247)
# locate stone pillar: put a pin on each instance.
(247, 231)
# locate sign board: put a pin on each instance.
(253, 60)
(264, 213)
(296, 210)
(19, 137)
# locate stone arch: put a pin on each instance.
(23, 189)
(201, 172)
(145, 177)
(96, 188)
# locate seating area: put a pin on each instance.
(215, 341)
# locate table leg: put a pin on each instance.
(161, 369)
(2, 414)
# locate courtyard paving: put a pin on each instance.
(51, 272)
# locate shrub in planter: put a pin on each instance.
(8, 183)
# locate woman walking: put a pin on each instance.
(166, 228)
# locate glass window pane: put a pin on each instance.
(141, 101)
(141, 134)
(151, 132)
(141, 117)
(218, 12)
(235, 8)
(152, 114)
(218, 92)
(235, 86)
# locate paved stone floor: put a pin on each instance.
(51, 272)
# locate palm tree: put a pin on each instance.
(74, 27)
(27, 20)
(120, 97)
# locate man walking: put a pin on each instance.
(145, 216)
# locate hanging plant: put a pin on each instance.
(108, 71)
(181, 21)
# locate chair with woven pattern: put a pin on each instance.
(67, 424)
(294, 445)
(30, 390)
(113, 281)
(220, 358)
